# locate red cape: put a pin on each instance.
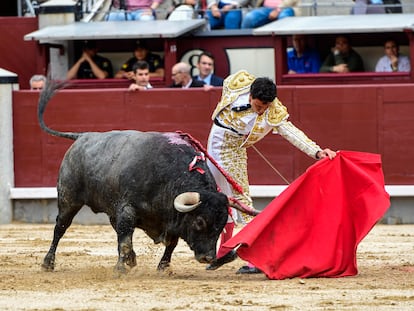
(313, 228)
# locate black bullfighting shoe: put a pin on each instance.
(248, 270)
(217, 263)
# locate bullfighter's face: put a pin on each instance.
(258, 106)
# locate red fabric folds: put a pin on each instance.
(314, 227)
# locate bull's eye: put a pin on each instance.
(200, 223)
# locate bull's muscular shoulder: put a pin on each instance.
(234, 85)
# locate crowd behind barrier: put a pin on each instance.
(95, 10)
(370, 55)
(301, 7)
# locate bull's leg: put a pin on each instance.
(63, 221)
(125, 229)
(166, 257)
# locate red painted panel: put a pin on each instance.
(399, 92)
(27, 147)
(338, 117)
(16, 55)
(398, 135)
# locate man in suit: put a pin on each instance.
(181, 76)
(205, 67)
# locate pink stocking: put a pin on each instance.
(225, 235)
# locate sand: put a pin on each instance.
(84, 280)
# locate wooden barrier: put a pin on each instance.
(256, 191)
(377, 119)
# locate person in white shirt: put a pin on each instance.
(393, 61)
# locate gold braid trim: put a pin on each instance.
(276, 113)
(272, 118)
(298, 139)
(234, 86)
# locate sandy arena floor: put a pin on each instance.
(84, 280)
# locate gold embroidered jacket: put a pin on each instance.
(231, 112)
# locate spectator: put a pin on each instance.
(268, 11)
(141, 70)
(368, 7)
(133, 10)
(37, 82)
(225, 14)
(393, 6)
(205, 67)
(186, 9)
(343, 58)
(141, 52)
(392, 61)
(90, 65)
(182, 78)
(302, 58)
(376, 6)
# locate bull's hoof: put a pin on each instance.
(48, 267)
(120, 269)
(217, 263)
(48, 264)
(163, 265)
(131, 260)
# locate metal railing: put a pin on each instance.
(83, 7)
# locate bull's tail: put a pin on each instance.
(48, 91)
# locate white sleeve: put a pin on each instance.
(404, 64)
(297, 138)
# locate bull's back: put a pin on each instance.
(100, 169)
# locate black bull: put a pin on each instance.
(140, 180)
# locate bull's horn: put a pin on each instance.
(187, 201)
(233, 202)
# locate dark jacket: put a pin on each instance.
(85, 70)
(215, 80)
(353, 60)
(194, 83)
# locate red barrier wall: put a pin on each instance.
(16, 55)
(378, 119)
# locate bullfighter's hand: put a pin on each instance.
(326, 153)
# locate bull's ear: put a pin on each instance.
(233, 202)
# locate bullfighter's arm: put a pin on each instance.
(297, 138)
